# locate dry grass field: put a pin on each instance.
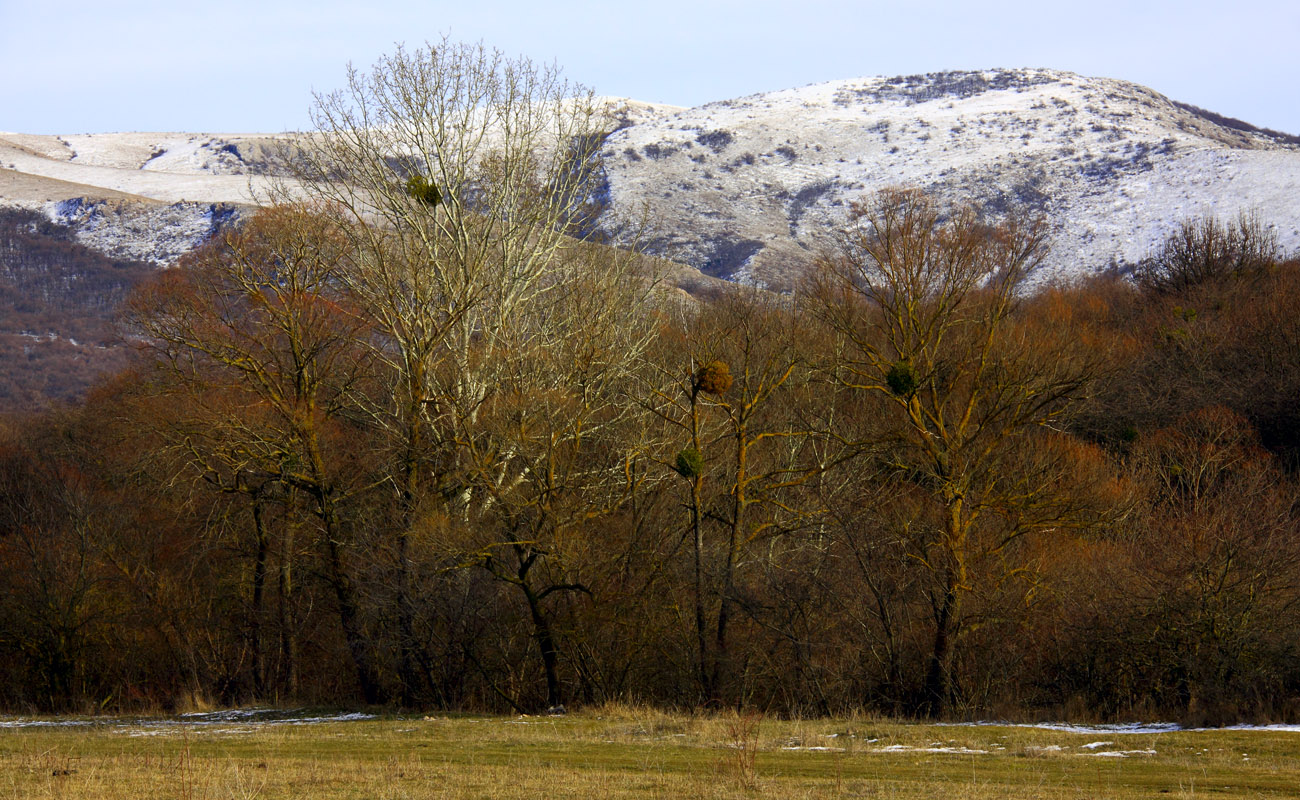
(629, 753)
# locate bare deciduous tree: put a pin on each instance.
(924, 298)
(259, 349)
(1205, 249)
(744, 453)
(461, 179)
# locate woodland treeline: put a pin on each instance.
(57, 302)
(412, 441)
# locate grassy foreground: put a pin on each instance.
(628, 753)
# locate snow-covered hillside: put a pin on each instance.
(748, 189)
(144, 196)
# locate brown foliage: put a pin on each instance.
(1070, 501)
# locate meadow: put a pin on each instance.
(620, 752)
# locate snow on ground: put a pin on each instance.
(1067, 727)
(232, 721)
(116, 165)
(934, 748)
(235, 722)
(1120, 728)
(142, 232)
(140, 196)
(1123, 753)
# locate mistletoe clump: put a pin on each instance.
(713, 378)
(902, 379)
(424, 190)
(690, 463)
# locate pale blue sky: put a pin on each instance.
(251, 65)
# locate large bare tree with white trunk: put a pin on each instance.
(465, 181)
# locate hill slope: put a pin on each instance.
(747, 188)
(136, 196)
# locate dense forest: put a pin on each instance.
(58, 300)
(413, 442)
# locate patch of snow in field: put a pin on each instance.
(264, 716)
(1121, 753)
(1066, 727)
(1120, 728)
(248, 719)
(904, 748)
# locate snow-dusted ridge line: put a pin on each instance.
(748, 188)
(121, 195)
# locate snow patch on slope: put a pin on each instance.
(142, 232)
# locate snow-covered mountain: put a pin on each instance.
(748, 189)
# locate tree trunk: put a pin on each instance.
(938, 678)
(287, 619)
(408, 671)
(701, 626)
(549, 650)
(349, 611)
(259, 600)
(722, 666)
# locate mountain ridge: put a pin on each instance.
(1113, 165)
(748, 188)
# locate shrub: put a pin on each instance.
(1204, 250)
(716, 141)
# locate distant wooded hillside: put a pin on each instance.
(57, 301)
